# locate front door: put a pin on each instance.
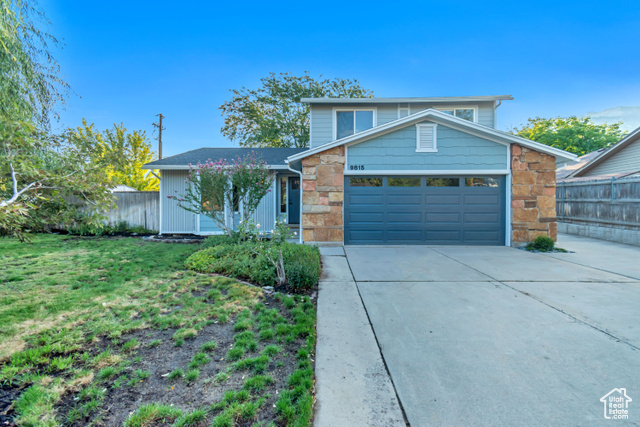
(294, 201)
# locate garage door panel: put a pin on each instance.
(404, 236)
(366, 199)
(481, 237)
(425, 215)
(482, 199)
(366, 217)
(443, 237)
(485, 218)
(404, 199)
(443, 199)
(366, 236)
(404, 217)
(445, 217)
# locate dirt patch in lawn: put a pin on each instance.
(143, 371)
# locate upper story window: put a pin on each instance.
(462, 113)
(403, 110)
(351, 121)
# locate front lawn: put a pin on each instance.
(112, 331)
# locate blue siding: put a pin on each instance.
(321, 125)
(456, 151)
(322, 117)
(208, 226)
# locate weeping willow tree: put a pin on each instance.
(39, 172)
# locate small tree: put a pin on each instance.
(212, 185)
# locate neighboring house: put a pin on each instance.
(599, 196)
(622, 158)
(120, 188)
(396, 171)
(566, 169)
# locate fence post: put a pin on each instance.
(613, 188)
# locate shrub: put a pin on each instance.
(542, 244)
(252, 261)
(216, 240)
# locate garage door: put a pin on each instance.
(425, 210)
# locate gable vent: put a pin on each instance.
(426, 138)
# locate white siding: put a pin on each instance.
(174, 218)
(625, 160)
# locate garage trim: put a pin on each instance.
(430, 172)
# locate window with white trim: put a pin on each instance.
(349, 122)
(462, 113)
(403, 110)
(426, 138)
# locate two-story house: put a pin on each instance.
(395, 171)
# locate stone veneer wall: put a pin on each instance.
(533, 195)
(322, 196)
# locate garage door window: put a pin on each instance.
(482, 182)
(365, 182)
(443, 182)
(404, 182)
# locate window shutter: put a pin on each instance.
(426, 138)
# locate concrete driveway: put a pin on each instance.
(499, 336)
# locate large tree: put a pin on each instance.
(573, 134)
(45, 181)
(272, 115)
(121, 153)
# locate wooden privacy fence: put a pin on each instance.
(136, 208)
(612, 203)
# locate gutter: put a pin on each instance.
(301, 206)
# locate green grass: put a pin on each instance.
(65, 298)
(130, 345)
(152, 414)
(192, 375)
(192, 418)
(209, 346)
(235, 353)
(65, 277)
(175, 374)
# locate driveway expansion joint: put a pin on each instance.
(386, 366)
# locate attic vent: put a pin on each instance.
(426, 138)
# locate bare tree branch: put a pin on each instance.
(16, 194)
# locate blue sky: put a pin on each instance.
(129, 60)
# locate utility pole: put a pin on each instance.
(160, 129)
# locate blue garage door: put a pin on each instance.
(436, 210)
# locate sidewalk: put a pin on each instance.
(353, 387)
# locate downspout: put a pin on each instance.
(301, 207)
(496, 104)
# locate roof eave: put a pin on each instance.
(187, 167)
(629, 139)
(435, 99)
